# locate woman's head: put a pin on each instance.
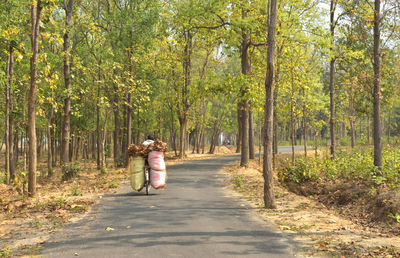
(151, 137)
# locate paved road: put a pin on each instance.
(193, 217)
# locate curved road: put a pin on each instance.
(193, 217)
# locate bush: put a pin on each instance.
(120, 162)
(70, 171)
(303, 170)
(356, 165)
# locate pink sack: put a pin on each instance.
(156, 160)
(158, 178)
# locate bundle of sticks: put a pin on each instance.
(158, 145)
(143, 150)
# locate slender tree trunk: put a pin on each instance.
(117, 126)
(292, 123)
(183, 109)
(240, 128)
(98, 129)
(352, 133)
(36, 10)
(377, 87)
(103, 164)
(65, 157)
(244, 161)
(182, 131)
(332, 80)
(49, 141)
(275, 143)
(128, 127)
(10, 115)
(388, 128)
(53, 142)
(269, 199)
(251, 134)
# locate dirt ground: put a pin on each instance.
(319, 230)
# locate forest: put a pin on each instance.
(82, 80)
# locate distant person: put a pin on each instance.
(150, 139)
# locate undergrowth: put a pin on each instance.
(355, 165)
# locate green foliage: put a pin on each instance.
(395, 217)
(348, 165)
(70, 171)
(3, 178)
(76, 190)
(5, 252)
(238, 181)
(304, 170)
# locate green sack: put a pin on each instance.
(136, 172)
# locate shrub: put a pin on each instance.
(304, 170)
(355, 164)
(70, 171)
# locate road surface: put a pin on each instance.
(194, 217)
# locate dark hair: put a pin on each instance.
(151, 137)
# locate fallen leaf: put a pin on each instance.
(151, 207)
(109, 229)
(128, 226)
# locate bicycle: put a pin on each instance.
(147, 184)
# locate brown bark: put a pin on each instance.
(332, 81)
(183, 106)
(292, 123)
(117, 126)
(244, 161)
(66, 135)
(36, 10)
(251, 134)
(240, 130)
(98, 129)
(269, 199)
(9, 125)
(377, 88)
(49, 141)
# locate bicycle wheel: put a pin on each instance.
(147, 182)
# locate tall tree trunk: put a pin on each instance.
(183, 108)
(117, 126)
(128, 112)
(98, 129)
(49, 141)
(269, 199)
(244, 161)
(377, 87)
(388, 128)
(352, 133)
(36, 10)
(292, 123)
(10, 115)
(182, 134)
(275, 118)
(65, 152)
(332, 80)
(103, 164)
(240, 128)
(251, 134)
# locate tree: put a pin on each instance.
(269, 199)
(377, 86)
(36, 9)
(68, 7)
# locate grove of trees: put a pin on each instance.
(81, 80)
